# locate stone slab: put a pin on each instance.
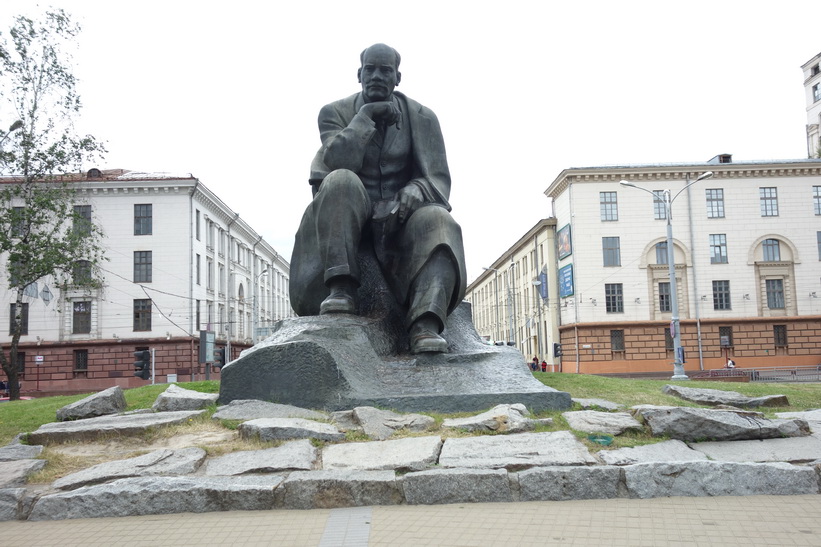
(570, 483)
(380, 424)
(251, 409)
(159, 496)
(437, 486)
(790, 449)
(501, 418)
(667, 451)
(108, 401)
(515, 451)
(295, 455)
(176, 398)
(340, 362)
(697, 424)
(594, 421)
(692, 479)
(13, 474)
(408, 454)
(104, 426)
(704, 396)
(17, 451)
(273, 429)
(813, 417)
(158, 462)
(327, 489)
(11, 504)
(597, 404)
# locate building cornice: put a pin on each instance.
(656, 173)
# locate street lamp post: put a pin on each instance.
(255, 321)
(536, 287)
(497, 334)
(675, 330)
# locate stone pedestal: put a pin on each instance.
(339, 362)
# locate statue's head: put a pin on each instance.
(379, 73)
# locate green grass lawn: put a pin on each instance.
(802, 396)
(25, 416)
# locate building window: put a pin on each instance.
(816, 92)
(659, 209)
(609, 205)
(768, 198)
(198, 225)
(611, 249)
(613, 298)
(718, 248)
(725, 337)
(209, 274)
(142, 266)
(780, 336)
(82, 317)
(668, 340)
(24, 326)
(617, 340)
(721, 295)
(661, 253)
(81, 272)
(18, 221)
(775, 294)
(715, 202)
(818, 237)
(82, 220)
(816, 199)
(80, 360)
(664, 296)
(143, 215)
(198, 269)
(142, 314)
(772, 250)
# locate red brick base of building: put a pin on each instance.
(644, 347)
(64, 368)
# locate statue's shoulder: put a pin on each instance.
(415, 106)
(346, 106)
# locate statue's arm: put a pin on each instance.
(431, 175)
(344, 142)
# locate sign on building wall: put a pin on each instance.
(566, 281)
(565, 244)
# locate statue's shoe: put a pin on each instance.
(338, 301)
(427, 341)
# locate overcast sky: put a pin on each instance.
(230, 92)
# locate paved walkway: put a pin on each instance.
(753, 520)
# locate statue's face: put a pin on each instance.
(378, 74)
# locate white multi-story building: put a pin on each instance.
(513, 302)
(812, 91)
(747, 246)
(179, 261)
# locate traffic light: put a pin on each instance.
(142, 365)
(557, 350)
(219, 358)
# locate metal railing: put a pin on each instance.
(768, 374)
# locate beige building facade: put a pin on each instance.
(514, 301)
(747, 247)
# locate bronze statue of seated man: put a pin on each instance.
(381, 178)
